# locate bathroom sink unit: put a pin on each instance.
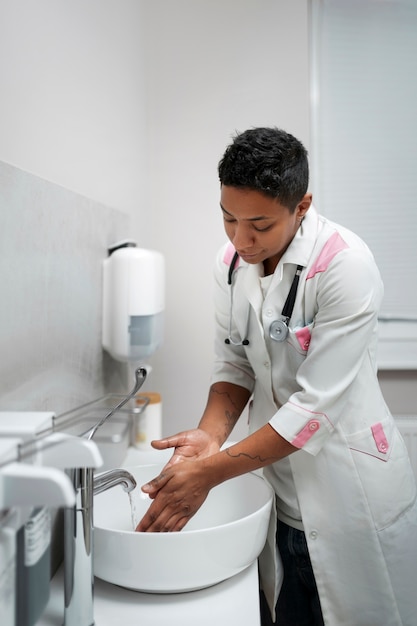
(224, 537)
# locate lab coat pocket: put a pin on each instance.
(384, 470)
(298, 341)
(299, 337)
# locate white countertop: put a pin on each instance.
(234, 601)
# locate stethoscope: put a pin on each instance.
(278, 330)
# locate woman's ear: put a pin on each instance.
(303, 206)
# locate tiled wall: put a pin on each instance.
(52, 244)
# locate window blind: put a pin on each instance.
(364, 146)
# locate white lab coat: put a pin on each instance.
(319, 390)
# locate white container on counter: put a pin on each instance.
(148, 423)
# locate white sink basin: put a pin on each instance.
(224, 537)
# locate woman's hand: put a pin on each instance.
(178, 492)
(190, 445)
(181, 488)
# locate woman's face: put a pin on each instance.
(259, 227)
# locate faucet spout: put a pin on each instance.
(111, 478)
(140, 377)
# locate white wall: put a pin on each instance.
(132, 103)
(72, 105)
(212, 68)
(78, 109)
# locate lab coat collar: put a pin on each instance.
(300, 249)
(252, 286)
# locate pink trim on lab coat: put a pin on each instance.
(228, 255)
(305, 433)
(333, 246)
(380, 438)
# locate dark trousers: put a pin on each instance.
(298, 603)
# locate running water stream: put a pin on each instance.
(137, 510)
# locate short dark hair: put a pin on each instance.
(268, 160)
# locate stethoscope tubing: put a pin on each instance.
(279, 329)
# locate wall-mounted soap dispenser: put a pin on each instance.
(133, 301)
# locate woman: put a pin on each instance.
(297, 299)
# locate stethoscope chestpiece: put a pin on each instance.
(278, 331)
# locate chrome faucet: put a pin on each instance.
(78, 527)
(112, 478)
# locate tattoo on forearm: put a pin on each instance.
(263, 460)
(227, 394)
(231, 418)
(231, 415)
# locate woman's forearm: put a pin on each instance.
(225, 404)
(263, 447)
